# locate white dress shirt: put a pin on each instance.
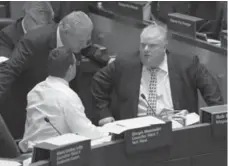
(23, 26)
(164, 99)
(54, 99)
(58, 38)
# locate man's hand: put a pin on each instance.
(105, 121)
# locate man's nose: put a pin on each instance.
(146, 48)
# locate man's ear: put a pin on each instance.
(64, 28)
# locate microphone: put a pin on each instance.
(144, 98)
(46, 119)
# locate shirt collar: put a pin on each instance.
(57, 79)
(23, 26)
(163, 66)
(59, 41)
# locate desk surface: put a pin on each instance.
(199, 43)
(111, 15)
(192, 146)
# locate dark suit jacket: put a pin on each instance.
(26, 67)
(123, 77)
(9, 37)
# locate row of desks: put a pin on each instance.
(191, 146)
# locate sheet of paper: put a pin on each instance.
(192, 118)
(176, 125)
(66, 139)
(3, 59)
(120, 126)
(27, 162)
(101, 140)
(113, 128)
(5, 162)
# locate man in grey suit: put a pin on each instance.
(28, 63)
(152, 81)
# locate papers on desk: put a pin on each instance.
(100, 141)
(3, 59)
(27, 162)
(6, 162)
(66, 139)
(190, 119)
(120, 126)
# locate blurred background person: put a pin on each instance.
(36, 14)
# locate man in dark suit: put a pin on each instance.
(152, 81)
(28, 63)
(36, 14)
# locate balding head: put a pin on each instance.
(153, 41)
(155, 33)
(37, 14)
(75, 30)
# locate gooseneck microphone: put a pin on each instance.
(48, 121)
(144, 98)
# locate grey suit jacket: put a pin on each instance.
(123, 77)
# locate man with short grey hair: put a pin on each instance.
(153, 81)
(28, 63)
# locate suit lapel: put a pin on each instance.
(134, 77)
(137, 80)
(174, 77)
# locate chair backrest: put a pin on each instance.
(8, 147)
(5, 22)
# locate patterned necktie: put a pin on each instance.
(152, 99)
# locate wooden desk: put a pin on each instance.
(192, 146)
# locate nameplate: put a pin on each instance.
(68, 155)
(223, 38)
(217, 117)
(148, 138)
(139, 10)
(184, 24)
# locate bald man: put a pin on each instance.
(36, 14)
(153, 81)
(28, 63)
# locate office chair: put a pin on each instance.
(9, 148)
(5, 22)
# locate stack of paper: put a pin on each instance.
(101, 140)
(66, 139)
(190, 119)
(120, 126)
(5, 162)
(3, 59)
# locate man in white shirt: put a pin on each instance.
(153, 81)
(55, 100)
